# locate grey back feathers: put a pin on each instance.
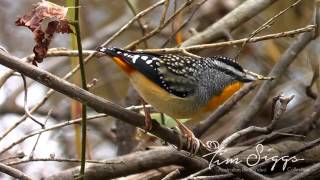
(184, 76)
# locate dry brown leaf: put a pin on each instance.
(44, 20)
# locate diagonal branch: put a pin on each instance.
(101, 105)
(234, 19)
(97, 103)
(277, 71)
(13, 172)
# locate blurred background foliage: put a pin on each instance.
(99, 20)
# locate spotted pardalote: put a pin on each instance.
(181, 86)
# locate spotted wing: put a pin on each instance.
(165, 70)
(179, 73)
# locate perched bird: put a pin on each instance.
(181, 86)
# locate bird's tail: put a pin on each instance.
(111, 51)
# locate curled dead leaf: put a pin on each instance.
(44, 20)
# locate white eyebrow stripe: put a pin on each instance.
(230, 68)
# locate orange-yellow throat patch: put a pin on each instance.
(226, 93)
(123, 65)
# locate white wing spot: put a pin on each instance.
(149, 61)
(103, 49)
(135, 57)
(144, 57)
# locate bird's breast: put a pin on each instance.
(161, 99)
(228, 91)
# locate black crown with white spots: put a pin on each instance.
(179, 75)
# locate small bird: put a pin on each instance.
(181, 86)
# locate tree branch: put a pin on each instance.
(277, 71)
(97, 103)
(234, 19)
(135, 163)
(101, 105)
(13, 172)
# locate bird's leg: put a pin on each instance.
(147, 119)
(193, 142)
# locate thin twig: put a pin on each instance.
(185, 23)
(19, 155)
(25, 104)
(230, 139)
(215, 177)
(35, 144)
(54, 52)
(290, 33)
(138, 16)
(175, 5)
(141, 26)
(158, 29)
(3, 50)
(283, 100)
(60, 125)
(265, 25)
(164, 12)
(185, 52)
(56, 160)
(24, 117)
(76, 121)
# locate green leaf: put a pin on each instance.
(168, 121)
